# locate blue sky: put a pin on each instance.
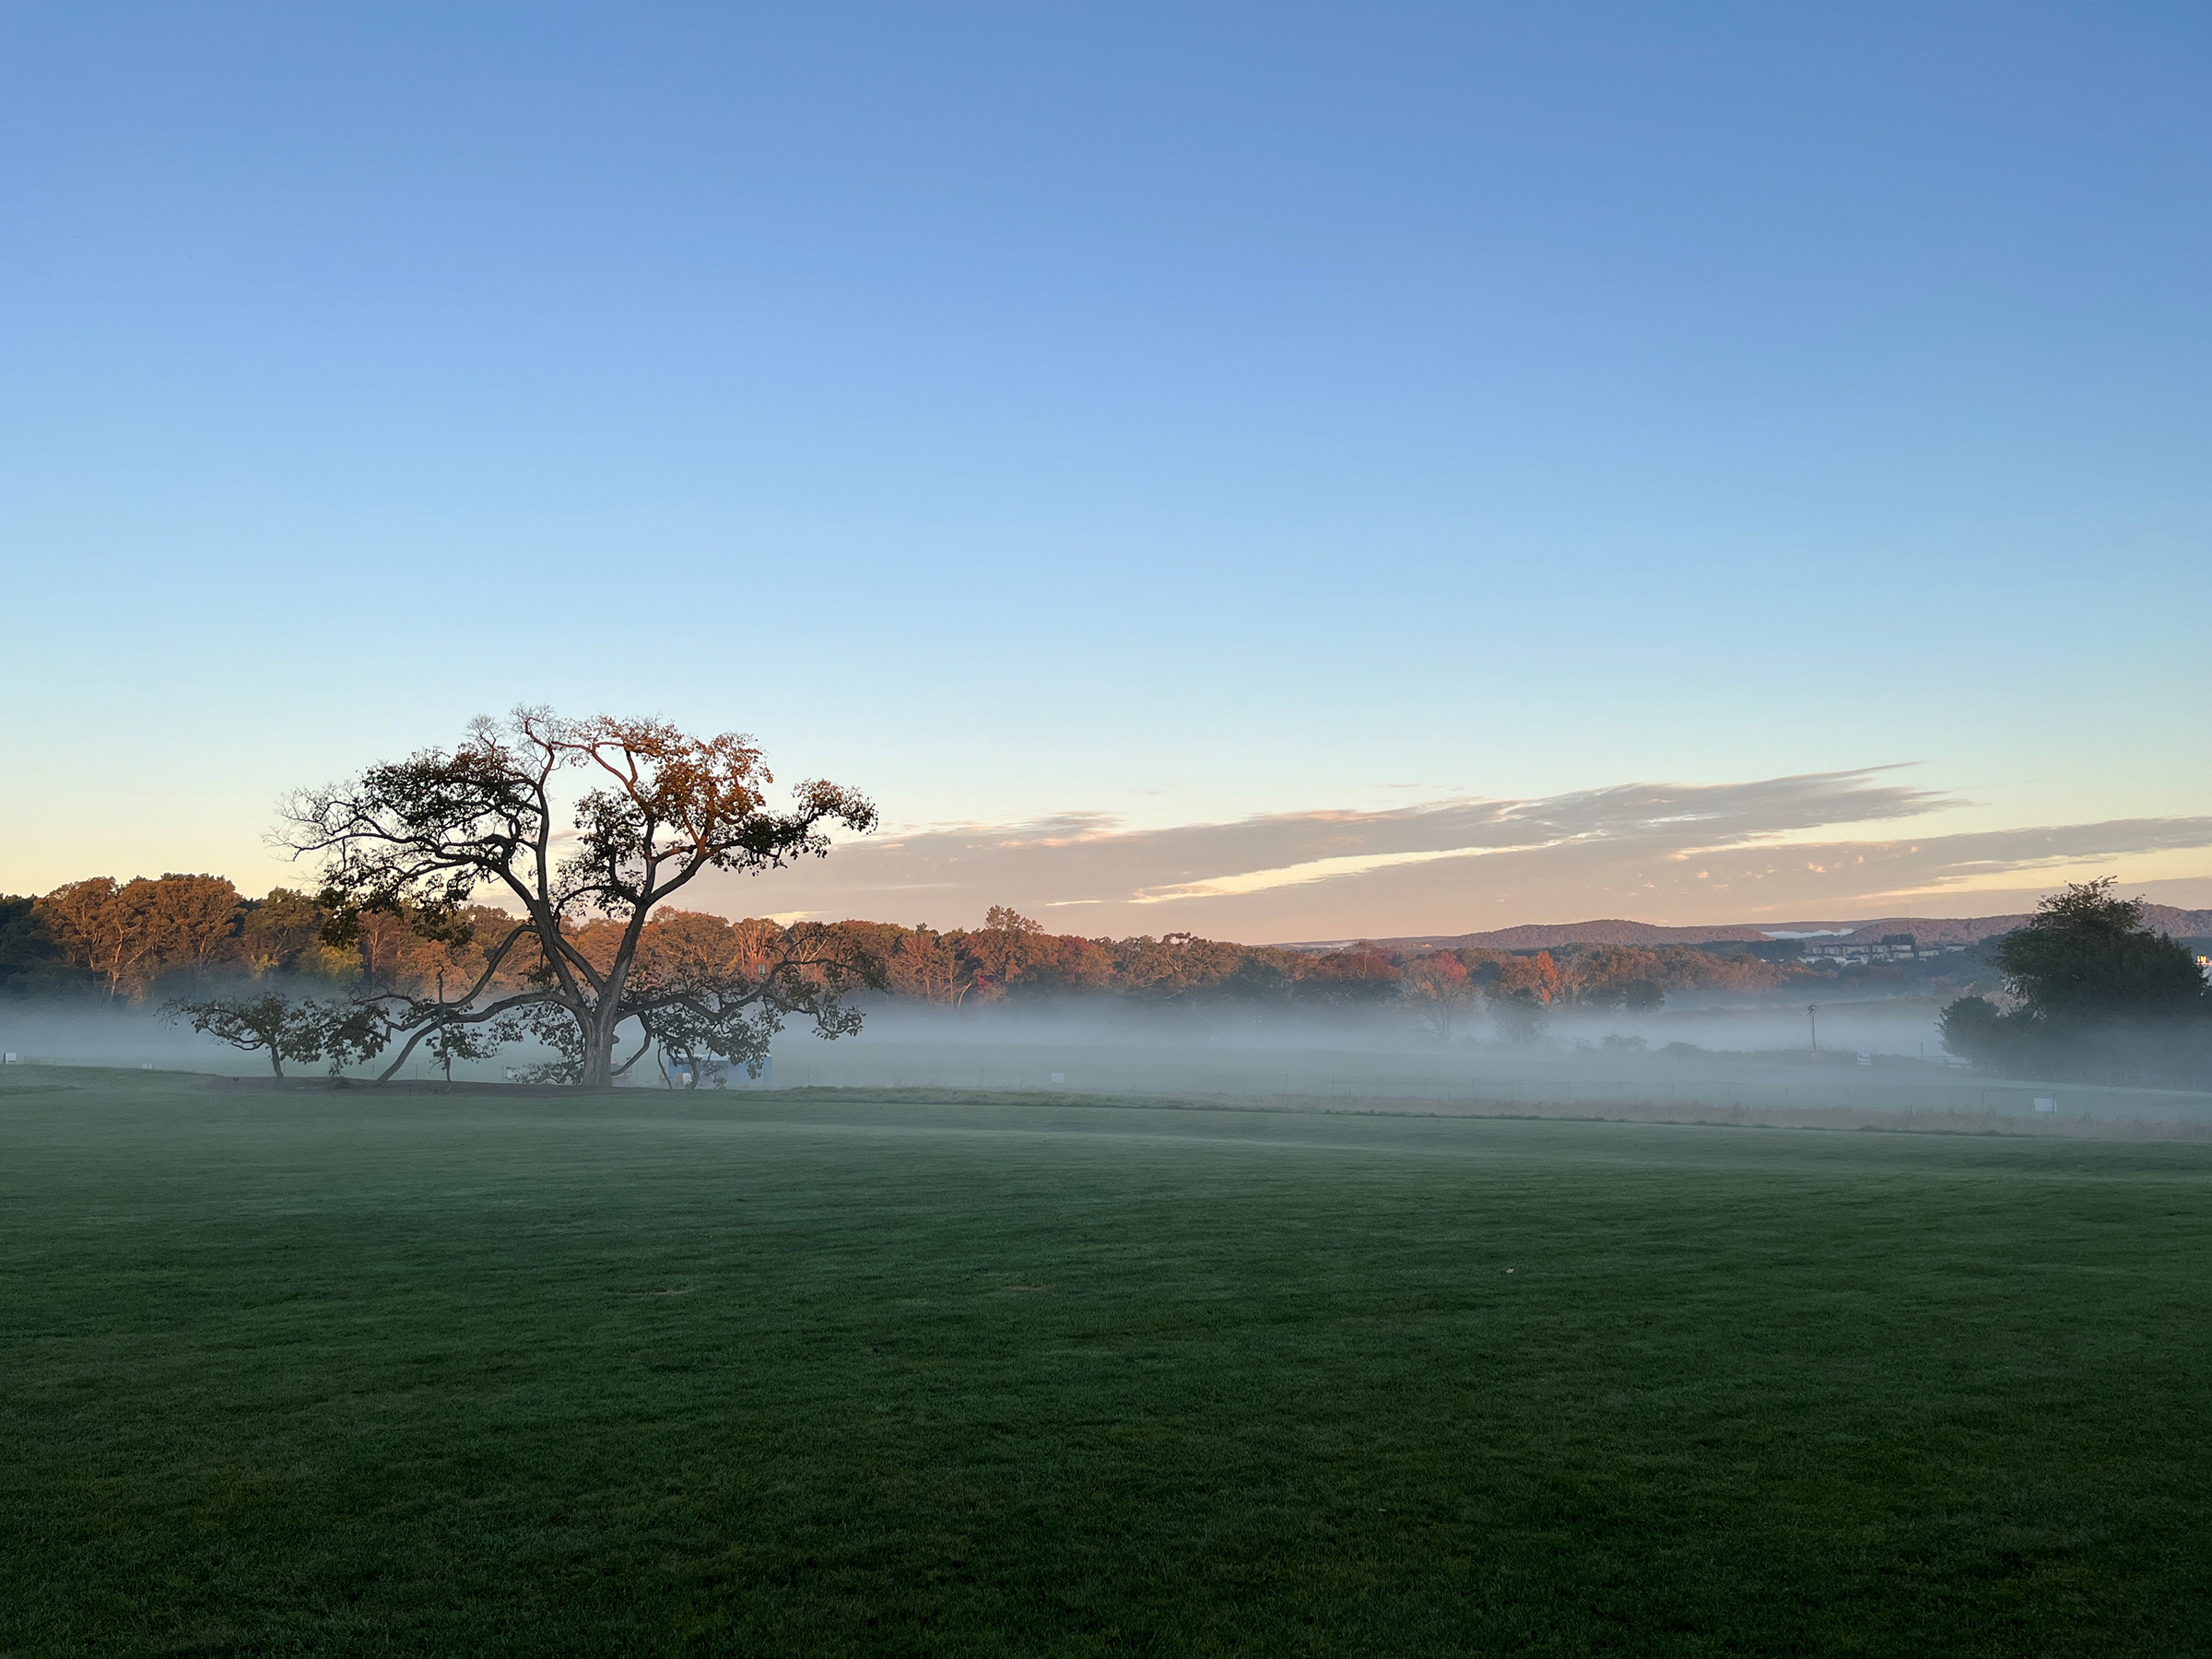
(1174, 417)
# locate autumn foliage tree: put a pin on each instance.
(1439, 991)
(1003, 943)
(130, 934)
(585, 828)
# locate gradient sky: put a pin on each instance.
(1201, 435)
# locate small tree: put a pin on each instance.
(272, 1024)
(1972, 1027)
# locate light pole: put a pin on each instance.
(445, 1047)
(1812, 1013)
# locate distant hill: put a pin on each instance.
(1928, 930)
(1538, 935)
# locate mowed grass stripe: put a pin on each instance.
(748, 1374)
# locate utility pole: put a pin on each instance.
(1812, 1013)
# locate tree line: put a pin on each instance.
(151, 939)
(2085, 990)
(296, 977)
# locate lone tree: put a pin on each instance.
(2094, 991)
(2086, 957)
(649, 808)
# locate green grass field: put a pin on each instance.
(763, 1374)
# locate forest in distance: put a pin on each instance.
(152, 939)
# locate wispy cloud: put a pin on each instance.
(1316, 870)
(1664, 851)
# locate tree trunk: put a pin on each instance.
(606, 1019)
(598, 1069)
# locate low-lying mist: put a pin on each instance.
(1894, 1026)
(1877, 1057)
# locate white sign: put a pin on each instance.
(1057, 1077)
(2046, 1105)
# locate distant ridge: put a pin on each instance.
(1928, 930)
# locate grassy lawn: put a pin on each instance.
(341, 1373)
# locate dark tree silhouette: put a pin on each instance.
(2088, 956)
(2093, 991)
(649, 808)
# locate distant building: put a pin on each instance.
(1892, 947)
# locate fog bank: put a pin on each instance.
(1877, 1059)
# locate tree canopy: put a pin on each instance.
(2092, 992)
(2086, 957)
(585, 827)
